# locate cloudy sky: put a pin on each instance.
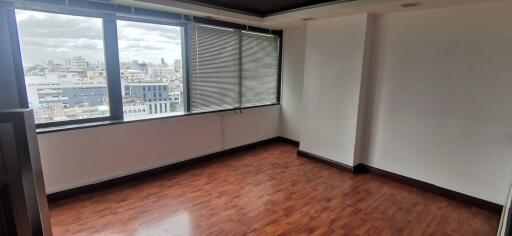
(45, 36)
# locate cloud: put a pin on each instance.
(148, 42)
(45, 25)
(141, 31)
(57, 37)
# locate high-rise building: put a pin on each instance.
(177, 65)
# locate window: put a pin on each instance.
(73, 75)
(150, 54)
(231, 68)
(214, 56)
(64, 66)
(260, 62)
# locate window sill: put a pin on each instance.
(117, 122)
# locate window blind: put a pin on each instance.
(260, 62)
(214, 68)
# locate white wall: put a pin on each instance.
(332, 82)
(80, 157)
(441, 95)
(294, 46)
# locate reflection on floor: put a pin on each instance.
(267, 191)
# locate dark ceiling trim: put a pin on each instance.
(305, 7)
(214, 22)
(105, 6)
(215, 7)
(277, 12)
(97, 8)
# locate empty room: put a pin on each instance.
(269, 117)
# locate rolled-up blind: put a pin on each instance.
(214, 68)
(260, 62)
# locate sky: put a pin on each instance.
(56, 37)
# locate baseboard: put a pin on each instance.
(111, 183)
(324, 160)
(288, 141)
(460, 197)
(363, 168)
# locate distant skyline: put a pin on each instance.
(56, 37)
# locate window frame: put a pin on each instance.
(73, 12)
(239, 31)
(109, 16)
(184, 45)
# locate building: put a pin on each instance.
(148, 92)
(96, 75)
(134, 108)
(177, 65)
(78, 64)
(176, 97)
(132, 75)
(156, 96)
(142, 67)
(67, 95)
(161, 72)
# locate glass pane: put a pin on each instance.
(64, 64)
(151, 69)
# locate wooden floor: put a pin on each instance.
(267, 191)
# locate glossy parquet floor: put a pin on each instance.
(267, 191)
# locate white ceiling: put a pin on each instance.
(296, 17)
(360, 6)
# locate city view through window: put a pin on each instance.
(64, 65)
(59, 54)
(151, 69)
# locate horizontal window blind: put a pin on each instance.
(260, 62)
(214, 68)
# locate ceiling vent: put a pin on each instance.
(410, 4)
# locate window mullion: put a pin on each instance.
(12, 58)
(112, 67)
(185, 69)
(279, 67)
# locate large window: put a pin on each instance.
(151, 69)
(93, 65)
(64, 66)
